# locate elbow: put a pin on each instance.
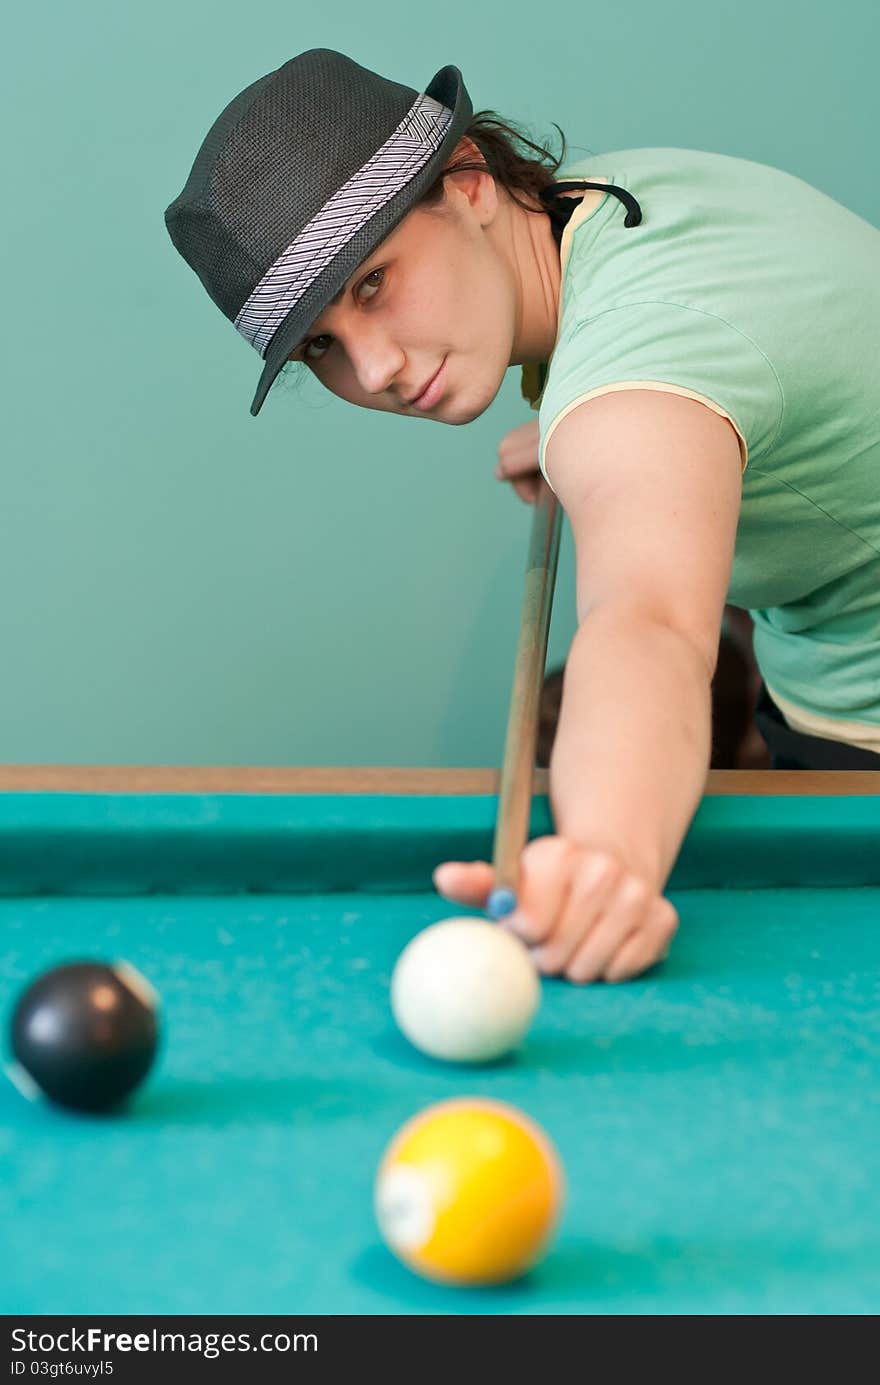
(647, 620)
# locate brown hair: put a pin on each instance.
(497, 141)
(514, 170)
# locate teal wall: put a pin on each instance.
(181, 583)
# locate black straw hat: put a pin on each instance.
(296, 183)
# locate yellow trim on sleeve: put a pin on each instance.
(857, 733)
(644, 385)
(590, 201)
(534, 373)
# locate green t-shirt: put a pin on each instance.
(752, 291)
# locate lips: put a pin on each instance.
(432, 391)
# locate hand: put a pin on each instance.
(581, 912)
(518, 461)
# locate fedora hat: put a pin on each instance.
(298, 180)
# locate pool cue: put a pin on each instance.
(518, 764)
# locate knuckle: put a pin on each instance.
(601, 868)
(547, 851)
(527, 927)
(632, 896)
(667, 918)
(634, 892)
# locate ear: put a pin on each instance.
(476, 184)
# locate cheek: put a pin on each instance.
(443, 304)
(342, 381)
(425, 315)
(483, 306)
(468, 300)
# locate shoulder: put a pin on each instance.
(651, 485)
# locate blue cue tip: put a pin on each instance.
(501, 903)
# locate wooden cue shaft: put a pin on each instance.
(518, 765)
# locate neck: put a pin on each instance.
(533, 256)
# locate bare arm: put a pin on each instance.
(632, 746)
(651, 485)
(650, 482)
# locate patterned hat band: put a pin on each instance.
(417, 137)
(298, 181)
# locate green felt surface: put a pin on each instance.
(718, 1120)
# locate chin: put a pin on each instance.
(461, 414)
(466, 405)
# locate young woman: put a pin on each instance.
(699, 335)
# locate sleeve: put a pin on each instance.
(665, 346)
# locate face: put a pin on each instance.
(434, 294)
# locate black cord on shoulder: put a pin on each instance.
(562, 207)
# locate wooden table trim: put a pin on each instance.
(218, 779)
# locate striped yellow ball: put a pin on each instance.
(469, 1192)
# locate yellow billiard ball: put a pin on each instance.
(469, 1192)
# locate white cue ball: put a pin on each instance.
(465, 990)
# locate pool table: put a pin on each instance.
(718, 1118)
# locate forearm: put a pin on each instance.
(633, 744)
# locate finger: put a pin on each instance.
(527, 490)
(624, 913)
(517, 461)
(645, 947)
(514, 468)
(637, 952)
(544, 882)
(595, 880)
(465, 882)
(521, 439)
(518, 472)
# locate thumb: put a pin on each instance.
(465, 882)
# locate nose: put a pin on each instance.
(376, 361)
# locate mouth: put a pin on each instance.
(432, 391)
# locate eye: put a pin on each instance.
(308, 347)
(371, 275)
(324, 336)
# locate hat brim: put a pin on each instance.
(447, 87)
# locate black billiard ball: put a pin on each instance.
(86, 1033)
